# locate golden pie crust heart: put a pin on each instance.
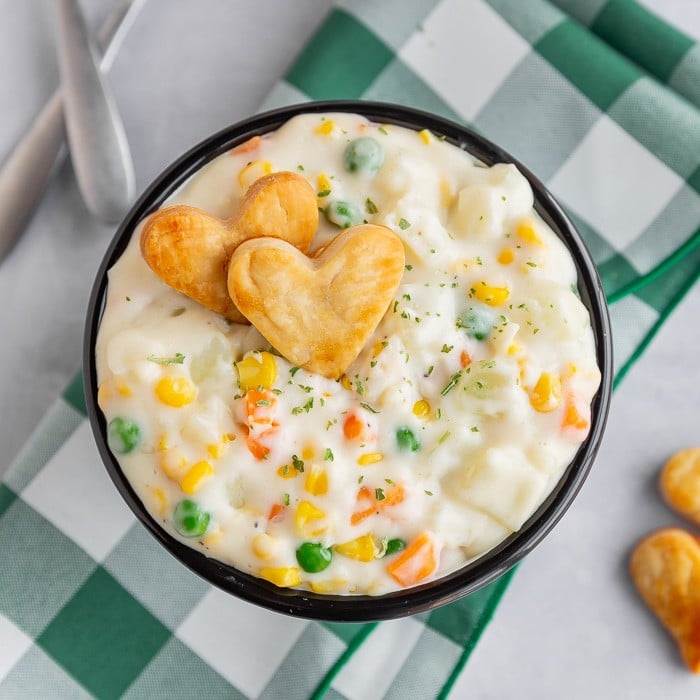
(680, 483)
(318, 311)
(190, 249)
(665, 567)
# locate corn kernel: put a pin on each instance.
(212, 538)
(257, 370)
(164, 442)
(493, 296)
(173, 464)
(123, 389)
(175, 391)
(446, 193)
(546, 394)
(253, 171)
(345, 382)
(514, 348)
(329, 586)
(323, 182)
(425, 136)
(308, 452)
(228, 437)
(282, 576)
(306, 519)
(325, 127)
(369, 458)
(104, 394)
(287, 471)
(265, 546)
(362, 548)
(526, 232)
(421, 408)
(506, 256)
(215, 450)
(316, 482)
(191, 482)
(161, 502)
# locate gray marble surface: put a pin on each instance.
(570, 625)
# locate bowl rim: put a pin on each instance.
(472, 576)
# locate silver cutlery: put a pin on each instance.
(27, 170)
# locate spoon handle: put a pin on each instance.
(28, 168)
(98, 145)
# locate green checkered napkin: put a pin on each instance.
(601, 103)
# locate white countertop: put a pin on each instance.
(571, 624)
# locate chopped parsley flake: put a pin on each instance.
(409, 267)
(297, 463)
(454, 380)
(177, 359)
(328, 457)
(379, 494)
(382, 130)
(323, 193)
(300, 168)
(370, 206)
(428, 493)
(369, 408)
(293, 370)
(446, 348)
(444, 437)
(286, 499)
(403, 224)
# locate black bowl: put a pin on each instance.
(470, 577)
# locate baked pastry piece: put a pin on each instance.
(190, 249)
(318, 311)
(680, 483)
(665, 567)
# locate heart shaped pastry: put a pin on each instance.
(680, 483)
(189, 249)
(665, 567)
(318, 312)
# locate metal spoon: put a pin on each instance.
(27, 170)
(98, 145)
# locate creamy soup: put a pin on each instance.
(450, 428)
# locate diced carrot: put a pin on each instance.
(464, 359)
(260, 407)
(572, 416)
(257, 449)
(353, 427)
(416, 562)
(248, 146)
(277, 512)
(368, 506)
(394, 496)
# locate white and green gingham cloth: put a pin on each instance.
(602, 101)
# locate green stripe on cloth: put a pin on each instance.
(644, 38)
(584, 12)
(7, 497)
(532, 19)
(391, 24)
(103, 637)
(637, 112)
(694, 180)
(73, 394)
(601, 75)
(177, 673)
(341, 61)
(41, 570)
(686, 78)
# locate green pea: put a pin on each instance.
(123, 434)
(394, 546)
(476, 322)
(407, 440)
(343, 214)
(363, 154)
(190, 519)
(313, 557)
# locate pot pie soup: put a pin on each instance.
(345, 357)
